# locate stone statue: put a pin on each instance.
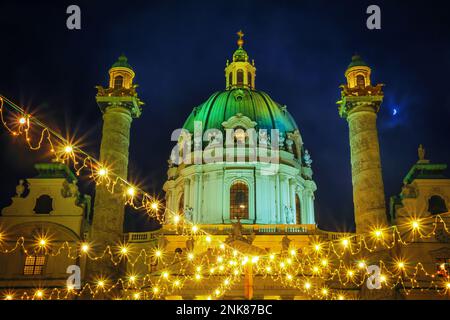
(288, 214)
(236, 234)
(281, 140)
(251, 237)
(20, 189)
(190, 243)
(73, 189)
(237, 230)
(409, 191)
(285, 242)
(70, 190)
(65, 190)
(421, 152)
(263, 138)
(307, 159)
(188, 213)
(289, 144)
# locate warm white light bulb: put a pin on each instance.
(131, 191)
(68, 149)
(154, 205)
(85, 247)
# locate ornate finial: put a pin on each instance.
(421, 152)
(240, 41)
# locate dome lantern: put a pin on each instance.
(240, 73)
(121, 74)
(358, 73)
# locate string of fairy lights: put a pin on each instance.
(308, 269)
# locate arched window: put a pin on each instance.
(44, 205)
(436, 205)
(298, 210)
(239, 200)
(360, 81)
(249, 77)
(118, 82)
(230, 79)
(181, 205)
(240, 77)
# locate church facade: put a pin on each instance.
(240, 171)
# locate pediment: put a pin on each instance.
(239, 120)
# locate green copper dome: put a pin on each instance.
(240, 55)
(256, 105)
(357, 61)
(122, 62)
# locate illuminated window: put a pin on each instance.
(240, 77)
(118, 82)
(181, 205)
(442, 267)
(34, 265)
(298, 213)
(436, 205)
(360, 81)
(239, 200)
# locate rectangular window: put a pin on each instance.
(34, 265)
(442, 267)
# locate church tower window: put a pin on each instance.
(239, 200)
(360, 81)
(240, 77)
(118, 82)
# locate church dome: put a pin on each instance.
(357, 61)
(122, 62)
(246, 170)
(256, 105)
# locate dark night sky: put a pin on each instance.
(179, 50)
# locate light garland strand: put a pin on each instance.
(291, 269)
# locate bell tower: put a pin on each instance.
(359, 105)
(119, 104)
(240, 73)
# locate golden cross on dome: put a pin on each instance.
(240, 41)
